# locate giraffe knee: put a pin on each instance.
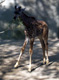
(22, 49)
(30, 51)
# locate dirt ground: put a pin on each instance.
(9, 52)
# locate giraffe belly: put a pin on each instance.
(33, 33)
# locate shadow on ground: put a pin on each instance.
(9, 51)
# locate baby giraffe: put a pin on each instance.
(33, 28)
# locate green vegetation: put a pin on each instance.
(15, 30)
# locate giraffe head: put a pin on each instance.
(18, 12)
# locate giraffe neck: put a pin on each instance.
(25, 19)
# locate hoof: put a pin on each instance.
(29, 69)
(16, 65)
(44, 61)
(47, 62)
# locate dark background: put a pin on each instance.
(47, 10)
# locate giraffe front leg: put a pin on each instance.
(29, 69)
(22, 50)
(17, 63)
(30, 52)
